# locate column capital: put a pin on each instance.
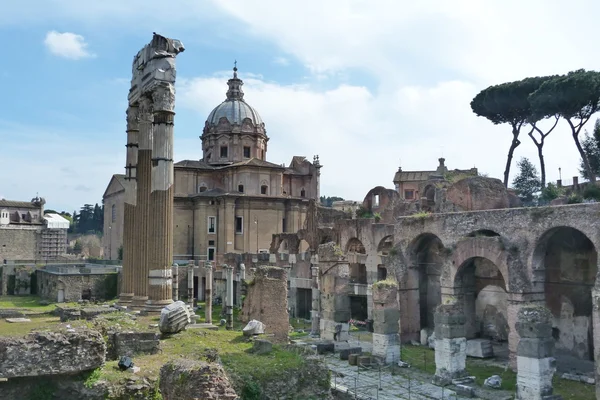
(145, 110)
(133, 117)
(163, 98)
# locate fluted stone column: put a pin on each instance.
(208, 271)
(142, 208)
(161, 200)
(129, 226)
(229, 296)
(316, 297)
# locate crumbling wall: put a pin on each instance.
(189, 380)
(478, 193)
(266, 301)
(51, 353)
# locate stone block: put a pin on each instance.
(449, 319)
(480, 348)
(535, 348)
(323, 348)
(534, 377)
(387, 347)
(450, 331)
(328, 329)
(353, 359)
(262, 346)
(92, 312)
(424, 337)
(186, 380)
(132, 343)
(174, 317)
(534, 322)
(254, 327)
(465, 391)
(364, 361)
(17, 320)
(450, 358)
(51, 353)
(345, 353)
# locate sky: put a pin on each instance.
(368, 85)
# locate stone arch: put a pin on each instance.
(283, 247)
(565, 262)
(420, 283)
(489, 248)
(354, 245)
(483, 233)
(385, 245)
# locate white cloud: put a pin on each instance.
(362, 136)
(68, 45)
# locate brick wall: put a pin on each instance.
(101, 286)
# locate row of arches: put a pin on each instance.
(483, 271)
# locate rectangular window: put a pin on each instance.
(283, 226)
(376, 200)
(409, 194)
(263, 189)
(211, 254)
(246, 152)
(212, 224)
(223, 151)
(113, 216)
(211, 242)
(239, 225)
(241, 188)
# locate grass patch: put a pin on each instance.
(42, 323)
(29, 303)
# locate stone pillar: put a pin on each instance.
(450, 344)
(316, 300)
(175, 273)
(208, 271)
(386, 314)
(515, 302)
(161, 200)
(292, 289)
(190, 283)
(142, 208)
(596, 335)
(129, 226)
(229, 296)
(535, 362)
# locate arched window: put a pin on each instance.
(113, 211)
(202, 188)
(303, 193)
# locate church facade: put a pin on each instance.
(232, 200)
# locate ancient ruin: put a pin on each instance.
(148, 249)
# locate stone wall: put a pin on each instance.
(51, 353)
(19, 243)
(266, 301)
(189, 380)
(132, 343)
(99, 286)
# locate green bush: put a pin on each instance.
(574, 198)
(591, 192)
(551, 192)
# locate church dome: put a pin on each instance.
(234, 108)
(235, 111)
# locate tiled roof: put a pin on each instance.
(407, 176)
(17, 204)
(255, 162)
(197, 164)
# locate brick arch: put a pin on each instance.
(355, 245)
(490, 248)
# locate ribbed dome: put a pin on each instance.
(235, 110)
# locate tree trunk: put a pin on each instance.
(513, 145)
(542, 166)
(584, 157)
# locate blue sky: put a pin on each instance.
(366, 85)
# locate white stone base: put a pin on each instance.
(327, 328)
(450, 356)
(534, 377)
(386, 346)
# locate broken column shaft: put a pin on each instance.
(316, 297)
(175, 274)
(161, 200)
(129, 226)
(535, 353)
(208, 272)
(450, 344)
(229, 296)
(190, 283)
(142, 208)
(386, 314)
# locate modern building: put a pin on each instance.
(232, 200)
